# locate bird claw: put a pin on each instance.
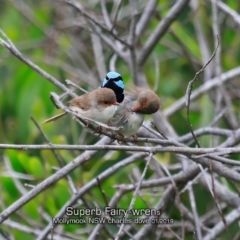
(109, 124)
(87, 123)
(84, 124)
(135, 138)
(98, 130)
(122, 140)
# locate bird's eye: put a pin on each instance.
(105, 102)
(107, 78)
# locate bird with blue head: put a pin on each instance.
(114, 81)
(137, 102)
(108, 105)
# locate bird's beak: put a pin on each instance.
(116, 103)
(136, 108)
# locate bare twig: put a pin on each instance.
(134, 196)
(132, 34)
(205, 131)
(69, 82)
(203, 43)
(209, 85)
(231, 217)
(189, 92)
(84, 188)
(59, 159)
(20, 227)
(145, 17)
(226, 9)
(116, 14)
(160, 31)
(195, 213)
(11, 47)
(102, 192)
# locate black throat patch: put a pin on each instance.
(118, 90)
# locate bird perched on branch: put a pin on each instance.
(138, 102)
(99, 105)
(114, 81)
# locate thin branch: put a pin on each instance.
(59, 159)
(160, 30)
(189, 91)
(132, 34)
(222, 191)
(145, 18)
(69, 82)
(195, 213)
(113, 203)
(136, 192)
(229, 11)
(219, 159)
(98, 55)
(105, 14)
(15, 52)
(16, 181)
(205, 131)
(213, 193)
(164, 201)
(102, 191)
(231, 217)
(116, 14)
(50, 180)
(206, 87)
(112, 45)
(95, 24)
(80, 192)
(30, 230)
(232, 140)
(203, 43)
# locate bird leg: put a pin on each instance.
(122, 140)
(98, 130)
(135, 138)
(84, 124)
(109, 123)
(87, 123)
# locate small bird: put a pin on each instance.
(137, 103)
(99, 105)
(114, 81)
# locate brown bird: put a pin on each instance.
(99, 105)
(137, 102)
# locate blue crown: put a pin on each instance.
(116, 77)
(114, 81)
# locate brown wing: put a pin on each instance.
(82, 102)
(119, 120)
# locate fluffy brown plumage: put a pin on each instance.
(144, 100)
(138, 102)
(99, 105)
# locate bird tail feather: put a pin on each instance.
(54, 118)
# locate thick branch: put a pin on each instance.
(184, 150)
